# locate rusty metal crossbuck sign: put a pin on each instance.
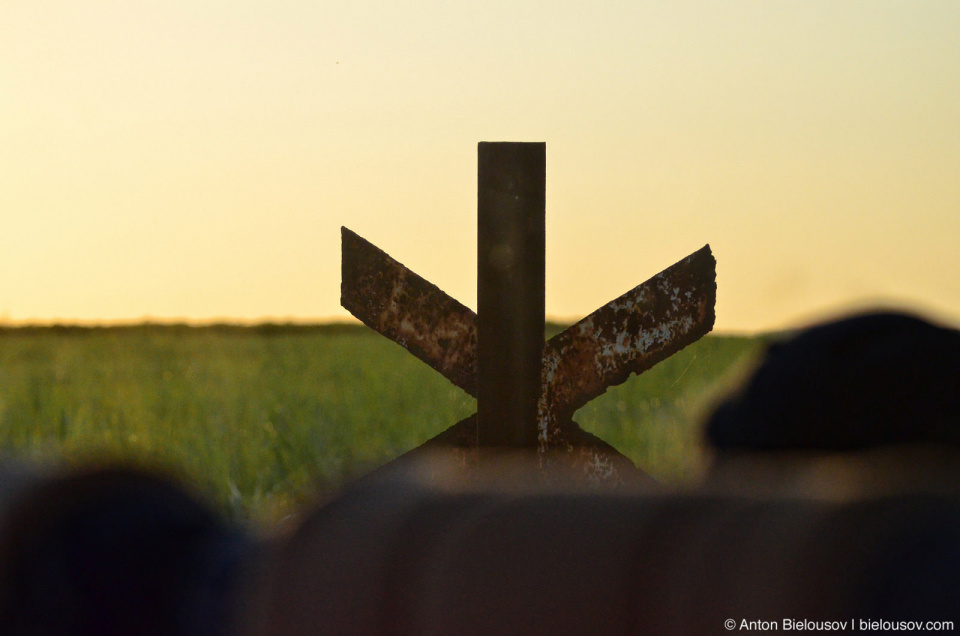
(527, 391)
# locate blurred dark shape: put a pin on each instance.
(408, 555)
(856, 383)
(114, 551)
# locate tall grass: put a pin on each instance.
(656, 418)
(265, 419)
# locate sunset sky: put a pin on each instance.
(195, 159)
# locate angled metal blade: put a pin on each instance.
(628, 335)
(416, 314)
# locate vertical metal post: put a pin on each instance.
(511, 213)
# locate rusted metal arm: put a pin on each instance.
(630, 334)
(416, 314)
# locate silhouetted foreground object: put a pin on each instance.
(111, 551)
(402, 556)
(860, 382)
(527, 391)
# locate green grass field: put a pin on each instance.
(264, 419)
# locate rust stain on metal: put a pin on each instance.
(628, 335)
(416, 314)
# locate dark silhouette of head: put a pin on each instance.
(860, 382)
(115, 550)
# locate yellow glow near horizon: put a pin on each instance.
(195, 160)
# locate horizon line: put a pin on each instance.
(253, 323)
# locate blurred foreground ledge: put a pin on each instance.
(874, 535)
(422, 549)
